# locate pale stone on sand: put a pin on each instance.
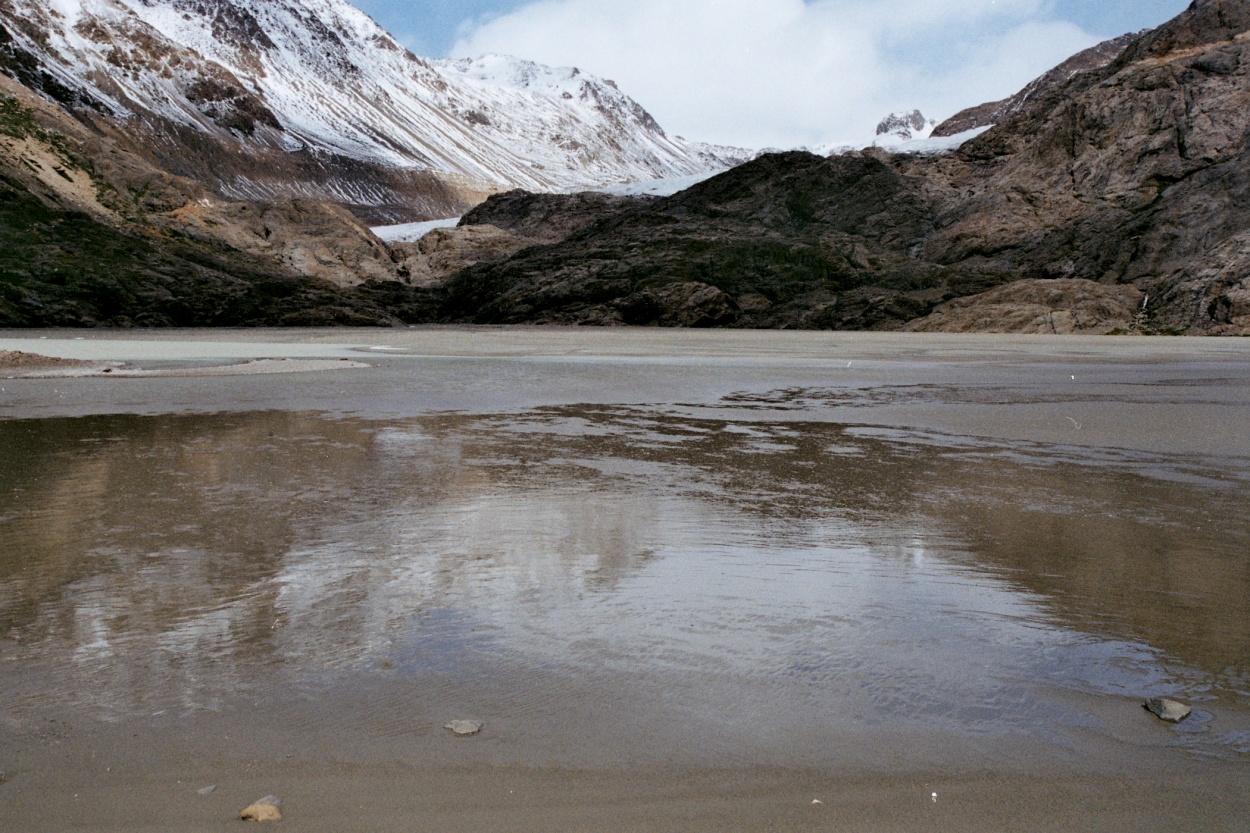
(1170, 710)
(267, 809)
(464, 728)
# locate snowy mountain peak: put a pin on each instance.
(321, 79)
(906, 126)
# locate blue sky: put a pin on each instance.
(432, 27)
(779, 73)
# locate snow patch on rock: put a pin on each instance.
(412, 232)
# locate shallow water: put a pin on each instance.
(724, 564)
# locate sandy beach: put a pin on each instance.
(687, 580)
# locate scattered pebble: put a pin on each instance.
(209, 790)
(464, 728)
(1166, 709)
(267, 809)
(817, 801)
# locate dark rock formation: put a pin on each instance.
(779, 239)
(547, 218)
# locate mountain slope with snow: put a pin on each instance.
(311, 98)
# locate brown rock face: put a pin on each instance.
(1204, 23)
(1037, 307)
(437, 256)
(310, 238)
(1138, 173)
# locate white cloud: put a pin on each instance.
(784, 73)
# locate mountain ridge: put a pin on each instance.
(224, 91)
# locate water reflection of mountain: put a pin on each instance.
(139, 552)
(1133, 546)
(144, 559)
(174, 561)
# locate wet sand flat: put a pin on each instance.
(687, 581)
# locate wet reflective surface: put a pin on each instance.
(739, 579)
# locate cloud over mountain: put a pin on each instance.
(788, 72)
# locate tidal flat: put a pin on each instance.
(686, 580)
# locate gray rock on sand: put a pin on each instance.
(209, 790)
(266, 809)
(1166, 709)
(464, 728)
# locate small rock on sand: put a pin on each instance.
(209, 790)
(464, 728)
(267, 809)
(1169, 710)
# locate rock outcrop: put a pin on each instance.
(1138, 174)
(1039, 307)
(788, 240)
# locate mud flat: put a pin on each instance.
(686, 581)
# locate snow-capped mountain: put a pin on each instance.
(315, 90)
(905, 127)
(900, 132)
